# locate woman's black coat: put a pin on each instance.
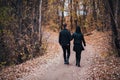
(78, 40)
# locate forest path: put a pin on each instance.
(71, 72)
(55, 69)
(95, 65)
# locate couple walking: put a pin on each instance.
(64, 39)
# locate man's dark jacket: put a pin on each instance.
(64, 37)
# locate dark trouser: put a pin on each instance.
(78, 57)
(66, 56)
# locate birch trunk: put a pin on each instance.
(40, 22)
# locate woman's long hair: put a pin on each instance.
(78, 30)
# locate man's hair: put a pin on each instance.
(64, 25)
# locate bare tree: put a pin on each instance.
(114, 24)
(71, 18)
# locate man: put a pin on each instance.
(64, 40)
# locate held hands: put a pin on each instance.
(68, 44)
(84, 44)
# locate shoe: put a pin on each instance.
(65, 62)
(78, 65)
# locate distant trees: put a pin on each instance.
(19, 30)
(90, 15)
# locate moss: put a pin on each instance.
(5, 17)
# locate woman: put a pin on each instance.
(78, 47)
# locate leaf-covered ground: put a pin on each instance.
(106, 63)
(97, 63)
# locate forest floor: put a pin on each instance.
(97, 63)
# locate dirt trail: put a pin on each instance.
(71, 72)
(54, 68)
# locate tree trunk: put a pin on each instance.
(75, 10)
(84, 18)
(95, 14)
(114, 27)
(40, 22)
(116, 13)
(62, 19)
(19, 12)
(71, 18)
